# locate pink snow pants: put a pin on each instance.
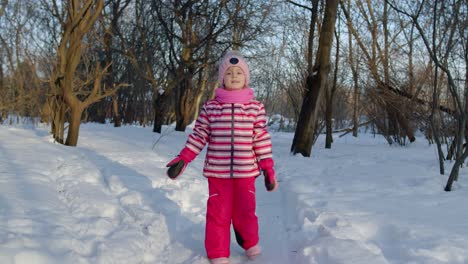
(230, 200)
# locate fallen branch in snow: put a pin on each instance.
(350, 129)
(162, 135)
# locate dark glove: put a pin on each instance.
(269, 173)
(178, 164)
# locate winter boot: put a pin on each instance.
(219, 261)
(253, 252)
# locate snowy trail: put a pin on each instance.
(32, 215)
(190, 192)
(273, 228)
(108, 201)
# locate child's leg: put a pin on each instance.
(244, 219)
(218, 218)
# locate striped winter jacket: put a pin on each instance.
(237, 138)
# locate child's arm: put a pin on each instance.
(261, 137)
(263, 150)
(201, 132)
(195, 144)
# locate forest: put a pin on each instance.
(395, 68)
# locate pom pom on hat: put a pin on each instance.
(233, 58)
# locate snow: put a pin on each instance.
(108, 201)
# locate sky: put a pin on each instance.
(108, 200)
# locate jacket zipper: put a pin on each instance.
(232, 140)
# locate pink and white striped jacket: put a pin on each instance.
(237, 138)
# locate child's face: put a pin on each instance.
(234, 78)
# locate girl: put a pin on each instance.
(239, 146)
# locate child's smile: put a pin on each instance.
(234, 78)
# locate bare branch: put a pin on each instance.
(432, 54)
(2, 8)
(299, 5)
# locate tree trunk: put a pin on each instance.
(74, 126)
(108, 42)
(455, 170)
(71, 90)
(453, 174)
(58, 107)
(355, 105)
(405, 125)
(451, 150)
(329, 123)
(115, 111)
(354, 71)
(303, 137)
(160, 106)
(435, 103)
(202, 84)
(330, 95)
(329, 109)
(184, 103)
(310, 43)
(60, 127)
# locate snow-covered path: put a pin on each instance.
(187, 199)
(108, 201)
(62, 208)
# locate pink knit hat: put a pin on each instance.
(233, 58)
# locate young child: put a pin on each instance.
(239, 146)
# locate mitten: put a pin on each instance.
(266, 165)
(178, 164)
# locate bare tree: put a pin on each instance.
(355, 75)
(329, 95)
(195, 34)
(190, 29)
(20, 87)
(455, 35)
(76, 19)
(390, 120)
(316, 81)
(146, 51)
(435, 98)
(112, 14)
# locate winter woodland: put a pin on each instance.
(367, 104)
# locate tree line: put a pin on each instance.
(398, 68)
